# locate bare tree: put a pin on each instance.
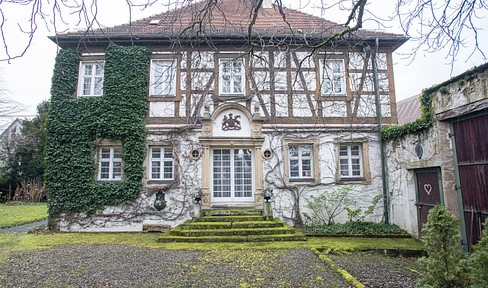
(433, 24)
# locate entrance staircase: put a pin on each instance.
(237, 225)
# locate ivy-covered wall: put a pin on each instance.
(415, 127)
(76, 125)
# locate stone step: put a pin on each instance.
(232, 232)
(233, 212)
(231, 218)
(251, 238)
(230, 225)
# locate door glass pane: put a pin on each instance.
(232, 173)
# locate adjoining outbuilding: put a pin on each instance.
(442, 158)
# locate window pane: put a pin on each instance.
(237, 66)
(343, 151)
(168, 153)
(99, 70)
(104, 170)
(306, 151)
(156, 153)
(238, 84)
(117, 170)
(86, 86)
(155, 170)
(105, 153)
(293, 151)
(97, 89)
(355, 150)
(116, 153)
(88, 69)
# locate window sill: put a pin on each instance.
(160, 181)
(356, 180)
(109, 181)
(302, 180)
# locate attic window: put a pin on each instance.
(154, 22)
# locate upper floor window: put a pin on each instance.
(231, 77)
(90, 82)
(332, 77)
(161, 161)
(110, 166)
(350, 161)
(163, 78)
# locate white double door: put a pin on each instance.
(232, 176)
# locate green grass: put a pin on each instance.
(14, 215)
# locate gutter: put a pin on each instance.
(378, 113)
(393, 42)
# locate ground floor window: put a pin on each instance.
(162, 164)
(300, 158)
(110, 166)
(350, 161)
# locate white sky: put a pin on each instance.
(28, 79)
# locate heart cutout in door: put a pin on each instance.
(428, 188)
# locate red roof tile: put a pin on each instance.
(408, 110)
(230, 18)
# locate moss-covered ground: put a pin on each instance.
(24, 242)
(14, 215)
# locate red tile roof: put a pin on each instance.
(408, 110)
(230, 19)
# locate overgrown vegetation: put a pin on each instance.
(328, 205)
(445, 264)
(415, 127)
(354, 228)
(76, 126)
(331, 203)
(478, 262)
(19, 214)
(24, 158)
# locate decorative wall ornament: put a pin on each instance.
(428, 188)
(231, 122)
(419, 151)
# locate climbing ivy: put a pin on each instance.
(75, 127)
(417, 126)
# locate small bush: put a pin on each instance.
(445, 265)
(478, 261)
(365, 228)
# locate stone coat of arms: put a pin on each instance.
(231, 122)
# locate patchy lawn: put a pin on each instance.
(14, 215)
(24, 242)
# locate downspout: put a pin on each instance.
(382, 150)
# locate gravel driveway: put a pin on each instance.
(375, 270)
(127, 266)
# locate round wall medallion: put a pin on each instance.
(195, 154)
(267, 154)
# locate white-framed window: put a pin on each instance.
(231, 76)
(90, 82)
(300, 161)
(162, 163)
(110, 166)
(163, 78)
(350, 161)
(332, 77)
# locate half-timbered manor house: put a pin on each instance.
(228, 115)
